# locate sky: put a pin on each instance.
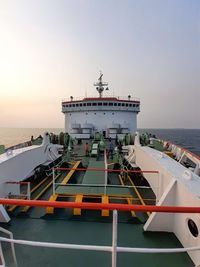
(50, 50)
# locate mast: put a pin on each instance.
(100, 85)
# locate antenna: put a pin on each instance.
(100, 85)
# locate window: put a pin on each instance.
(88, 104)
(81, 104)
(110, 104)
(73, 105)
(70, 105)
(66, 106)
(126, 105)
(99, 104)
(84, 104)
(133, 105)
(94, 104)
(115, 104)
(105, 104)
(77, 105)
(119, 104)
(193, 228)
(130, 105)
(122, 104)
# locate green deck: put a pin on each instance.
(94, 177)
(94, 190)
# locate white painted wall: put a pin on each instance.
(101, 119)
(174, 190)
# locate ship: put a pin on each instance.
(99, 193)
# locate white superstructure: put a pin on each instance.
(109, 115)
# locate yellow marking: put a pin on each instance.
(26, 208)
(66, 179)
(79, 198)
(138, 194)
(128, 199)
(110, 164)
(105, 200)
(50, 210)
(25, 197)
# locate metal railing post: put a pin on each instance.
(106, 173)
(53, 182)
(29, 191)
(114, 239)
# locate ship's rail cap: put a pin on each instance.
(94, 98)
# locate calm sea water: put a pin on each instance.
(14, 136)
(187, 138)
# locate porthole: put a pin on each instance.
(193, 228)
(113, 113)
(104, 113)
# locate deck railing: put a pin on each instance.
(114, 249)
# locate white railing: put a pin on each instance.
(114, 249)
(80, 98)
(12, 247)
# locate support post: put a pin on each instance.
(106, 173)
(114, 239)
(53, 182)
(28, 191)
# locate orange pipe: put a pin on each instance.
(99, 206)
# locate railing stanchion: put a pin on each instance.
(28, 191)
(114, 239)
(106, 173)
(53, 182)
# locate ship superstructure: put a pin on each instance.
(110, 116)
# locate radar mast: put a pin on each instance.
(100, 85)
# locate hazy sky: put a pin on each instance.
(50, 50)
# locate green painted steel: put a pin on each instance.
(96, 190)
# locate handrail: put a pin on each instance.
(114, 249)
(99, 206)
(108, 170)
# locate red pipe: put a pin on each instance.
(99, 206)
(108, 170)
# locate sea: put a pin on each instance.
(187, 138)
